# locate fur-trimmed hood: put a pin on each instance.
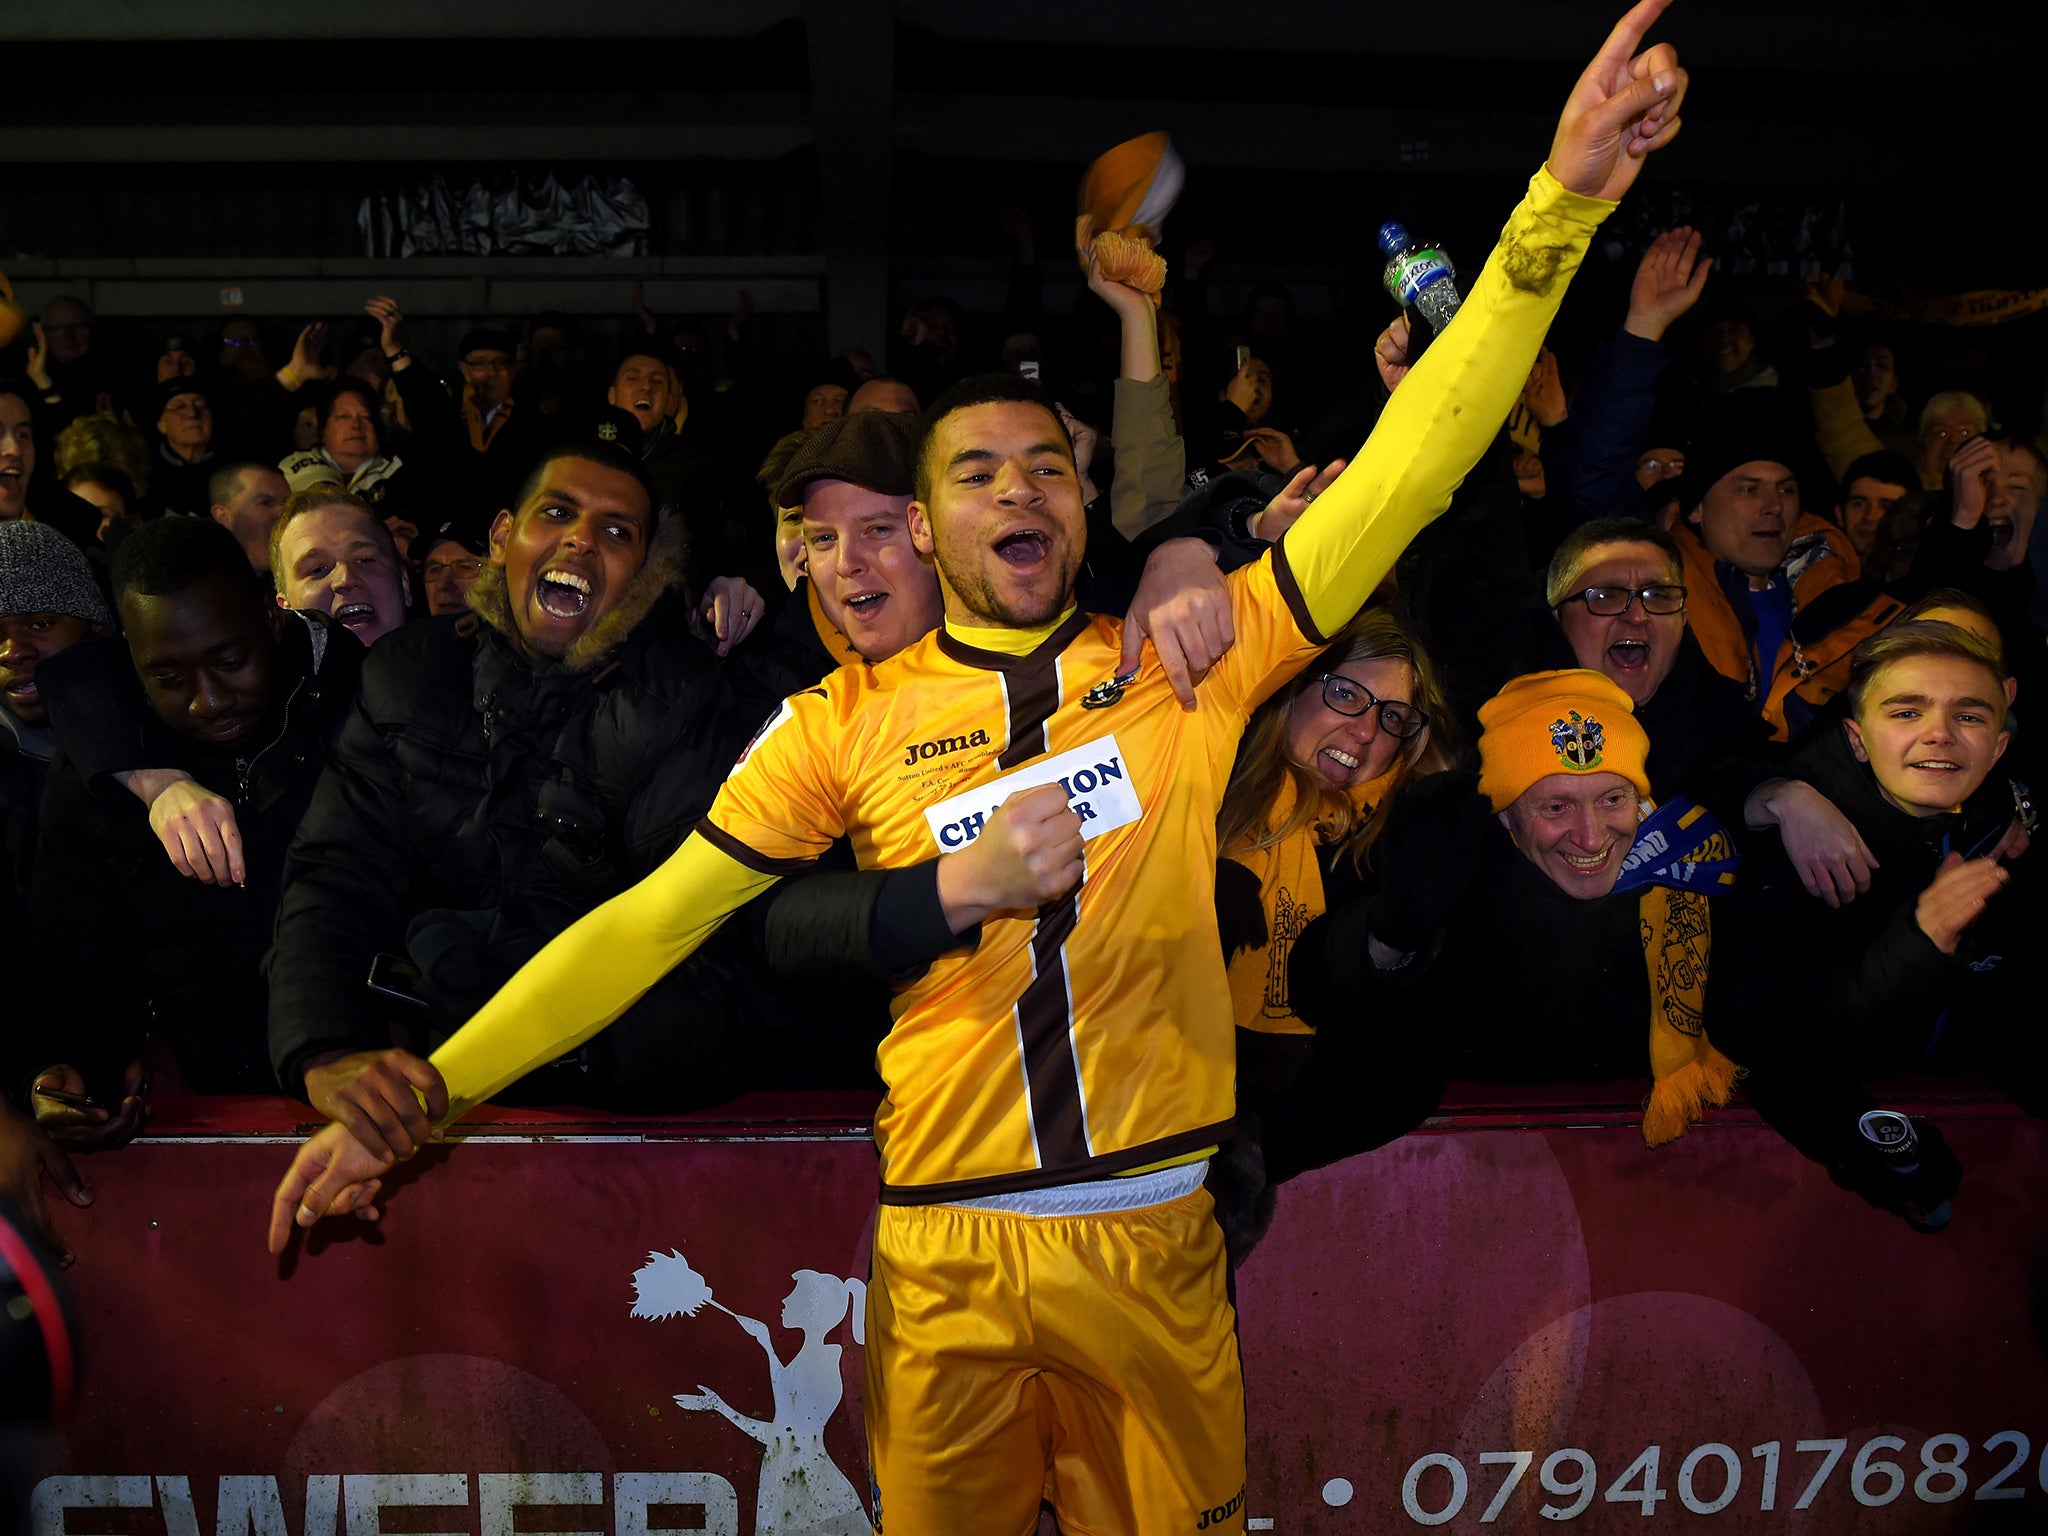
(489, 600)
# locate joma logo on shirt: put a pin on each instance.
(945, 746)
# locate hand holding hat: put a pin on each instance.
(1124, 199)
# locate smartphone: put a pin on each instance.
(2023, 812)
(397, 979)
(69, 1100)
(1244, 355)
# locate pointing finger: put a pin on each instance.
(1629, 31)
(284, 1206)
(1174, 663)
(1134, 642)
(231, 838)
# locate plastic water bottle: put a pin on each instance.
(1892, 1135)
(1420, 276)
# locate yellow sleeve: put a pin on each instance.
(1442, 417)
(783, 802)
(1270, 646)
(594, 971)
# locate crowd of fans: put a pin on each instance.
(1682, 749)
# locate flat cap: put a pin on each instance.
(871, 450)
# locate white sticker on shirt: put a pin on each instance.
(1093, 775)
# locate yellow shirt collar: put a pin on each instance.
(1008, 642)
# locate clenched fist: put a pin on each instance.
(1029, 853)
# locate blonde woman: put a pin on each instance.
(1319, 761)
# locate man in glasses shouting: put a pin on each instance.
(1618, 590)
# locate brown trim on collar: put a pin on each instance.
(1041, 655)
(1290, 592)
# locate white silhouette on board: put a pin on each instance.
(803, 1493)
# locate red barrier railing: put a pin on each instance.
(1519, 1317)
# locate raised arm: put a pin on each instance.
(1151, 459)
(1451, 404)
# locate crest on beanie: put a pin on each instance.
(608, 431)
(1579, 741)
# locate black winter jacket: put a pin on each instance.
(1529, 985)
(473, 778)
(126, 945)
(22, 773)
(1862, 984)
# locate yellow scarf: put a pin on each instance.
(1291, 893)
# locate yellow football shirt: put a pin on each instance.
(1092, 1037)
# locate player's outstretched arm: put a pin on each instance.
(594, 970)
(586, 977)
(1454, 400)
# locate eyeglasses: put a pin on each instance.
(466, 567)
(1612, 602)
(1398, 720)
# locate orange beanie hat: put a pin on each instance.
(1574, 721)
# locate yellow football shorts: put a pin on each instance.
(1090, 1360)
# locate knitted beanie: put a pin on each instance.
(1574, 721)
(41, 571)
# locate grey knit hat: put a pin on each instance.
(41, 571)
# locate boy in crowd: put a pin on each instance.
(1938, 965)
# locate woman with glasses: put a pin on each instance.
(1317, 762)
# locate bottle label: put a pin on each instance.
(1408, 275)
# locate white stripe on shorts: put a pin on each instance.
(1097, 1197)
